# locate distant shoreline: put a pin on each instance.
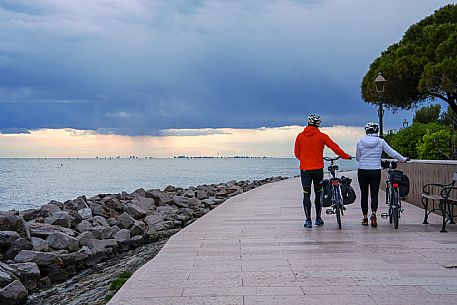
(140, 158)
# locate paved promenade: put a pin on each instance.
(253, 249)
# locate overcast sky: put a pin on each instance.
(140, 66)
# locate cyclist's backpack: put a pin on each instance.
(326, 193)
(347, 191)
(399, 177)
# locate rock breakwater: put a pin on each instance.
(42, 247)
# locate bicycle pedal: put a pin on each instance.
(384, 215)
(329, 212)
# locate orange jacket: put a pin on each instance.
(309, 148)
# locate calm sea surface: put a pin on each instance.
(28, 183)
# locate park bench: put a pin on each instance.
(445, 195)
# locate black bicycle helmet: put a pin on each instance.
(371, 128)
(314, 120)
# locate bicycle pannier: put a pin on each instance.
(347, 191)
(326, 193)
(395, 176)
(403, 190)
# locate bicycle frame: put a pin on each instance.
(337, 206)
(392, 198)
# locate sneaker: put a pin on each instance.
(319, 222)
(365, 221)
(308, 224)
(373, 220)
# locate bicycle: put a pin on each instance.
(393, 199)
(337, 206)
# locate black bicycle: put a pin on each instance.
(337, 206)
(393, 199)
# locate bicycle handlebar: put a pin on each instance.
(332, 158)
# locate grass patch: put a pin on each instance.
(116, 284)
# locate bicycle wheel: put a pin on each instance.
(389, 202)
(338, 204)
(338, 214)
(395, 209)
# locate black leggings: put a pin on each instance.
(315, 176)
(369, 178)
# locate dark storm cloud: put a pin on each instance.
(137, 67)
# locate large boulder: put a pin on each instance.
(166, 211)
(43, 230)
(84, 226)
(112, 203)
(185, 202)
(75, 257)
(98, 245)
(6, 275)
(85, 213)
(61, 241)
(41, 258)
(151, 220)
(189, 194)
(50, 209)
(170, 189)
(39, 244)
(147, 204)
(122, 235)
(101, 232)
(104, 211)
(201, 194)
(10, 222)
(61, 218)
(35, 213)
(99, 256)
(18, 245)
(56, 271)
(161, 198)
(134, 211)
(125, 221)
(138, 228)
(136, 241)
(14, 293)
(7, 238)
(28, 273)
(57, 203)
(77, 204)
(139, 192)
(99, 221)
(84, 237)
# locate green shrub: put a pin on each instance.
(435, 145)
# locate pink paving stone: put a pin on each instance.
(253, 249)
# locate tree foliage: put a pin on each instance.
(422, 66)
(406, 140)
(435, 145)
(427, 114)
(431, 136)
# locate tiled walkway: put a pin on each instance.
(253, 249)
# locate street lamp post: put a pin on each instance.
(405, 123)
(380, 83)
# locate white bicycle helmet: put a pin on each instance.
(314, 120)
(371, 128)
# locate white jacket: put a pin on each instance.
(369, 150)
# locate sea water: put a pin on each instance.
(30, 183)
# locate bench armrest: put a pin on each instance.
(426, 188)
(446, 191)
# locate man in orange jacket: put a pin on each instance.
(309, 149)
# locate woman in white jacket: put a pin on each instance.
(368, 155)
